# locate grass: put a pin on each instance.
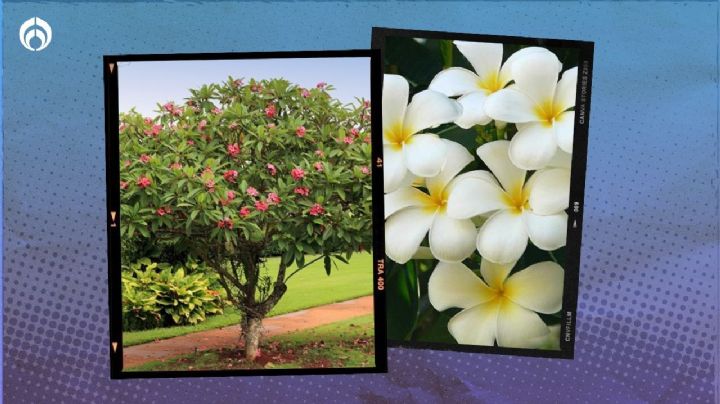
(347, 343)
(308, 288)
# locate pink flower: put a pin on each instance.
(161, 212)
(321, 85)
(127, 163)
(252, 192)
(190, 142)
(190, 103)
(233, 149)
(144, 158)
(318, 166)
(217, 111)
(207, 171)
(230, 176)
(366, 103)
(365, 170)
(300, 131)
(123, 126)
(256, 88)
(202, 125)
(144, 182)
(366, 139)
(305, 93)
(123, 185)
(221, 224)
(270, 111)
(148, 121)
(348, 140)
(169, 107)
(273, 198)
(297, 173)
(244, 211)
(319, 153)
(354, 131)
(271, 169)
(175, 166)
(261, 206)
(154, 131)
(230, 195)
(210, 185)
(226, 223)
(233, 125)
(237, 83)
(304, 191)
(316, 210)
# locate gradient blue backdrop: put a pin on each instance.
(648, 307)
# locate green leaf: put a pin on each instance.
(401, 291)
(327, 263)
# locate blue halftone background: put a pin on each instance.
(648, 306)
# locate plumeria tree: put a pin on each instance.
(242, 169)
(476, 191)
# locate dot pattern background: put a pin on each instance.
(648, 303)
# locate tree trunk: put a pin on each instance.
(251, 334)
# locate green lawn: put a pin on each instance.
(348, 343)
(308, 288)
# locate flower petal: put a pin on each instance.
(472, 196)
(538, 287)
(495, 274)
(510, 105)
(502, 238)
(394, 101)
(547, 232)
(506, 70)
(565, 130)
(394, 171)
(566, 89)
(425, 154)
(404, 231)
(533, 146)
(485, 57)
(518, 327)
(455, 81)
(452, 240)
(429, 109)
(457, 157)
(455, 285)
(476, 325)
(536, 75)
(403, 198)
(561, 159)
(495, 155)
(473, 110)
(549, 191)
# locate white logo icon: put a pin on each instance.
(34, 28)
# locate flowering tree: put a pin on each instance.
(243, 169)
(477, 173)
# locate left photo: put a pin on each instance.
(240, 209)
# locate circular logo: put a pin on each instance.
(35, 34)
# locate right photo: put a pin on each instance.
(484, 142)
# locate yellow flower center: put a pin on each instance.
(516, 198)
(548, 112)
(490, 83)
(396, 135)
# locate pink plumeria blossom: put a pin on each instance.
(270, 111)
(321, 85)
(144, 158)
(319, 166)
(366, 104)
(271, 169)
(233, 149)
(202, 125)
(230, 176)
(244, 211)
(154, 131)
(305, 93)
(207, 171)
(354, 132)
(210, 185)
(316, 210)
(123, 185)
(348, 140)
(226, 223)
(190, 142)
(256, 88)
(169, 106)
(261, 206)
(300, 131)
(366, 139)
(230, 195)
(127, 163)
(123, 125)
(217, 111)
(365, 170)
(148, 120)
(252, 192)
(144, 182)
(237, 83)
(161, 212)
(297, 173)
(304, 191)
(176, 166)
(273, 198)
(319, 153)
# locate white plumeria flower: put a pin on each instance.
(539, 106)
(407, 152)
(502, 308)
(490, 76)
(520, 210)
(411, 213)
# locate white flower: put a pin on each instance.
(406, 152)
(411, 213)
(490, 75)
(502, 308)
(520, 210)
(539, 105)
